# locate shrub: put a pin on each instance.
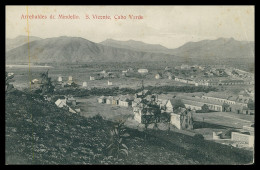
(117, 146)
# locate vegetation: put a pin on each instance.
(8, 87)
(251, 104)
(205, 109)
(117, 146)
(46, 84)
(38, 132)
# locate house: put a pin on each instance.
(123, 101)
(59, 79)
(189, 104)
(60, 103)
(109, 83)
(212, 104)
(141, 114)
(248, 111)
(220, 98)
(84, 84)
(92, 78)
(182, 119)
(109, 100)
(246, 139)
(142, 71)
(102, 99)
(70, 78)
(181, 80)
(115, 101)
(34, 81)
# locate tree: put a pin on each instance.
(116, 146)
(251, 104)
(205, 108)
(226, 107)
(178, 104)
(46, 84)
(8, 87)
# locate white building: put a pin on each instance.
(61, 102)
(92, 78)
(84, 84)
(109, 83)
(70, 78)
(102, 99)
(60, 79)
(142, 71)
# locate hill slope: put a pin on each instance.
(37, 132)
(18, 41)
(74, 49)
(219, 48)
(136, 45)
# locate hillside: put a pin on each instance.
(216, 49)
(64, 138)
(136, 45)
(18, 41)
(75, 49)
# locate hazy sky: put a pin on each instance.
(170, 26)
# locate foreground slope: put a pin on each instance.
(37, 132)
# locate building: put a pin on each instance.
(109, 83)
(197, 101)
(243, 138)
(91, 78)
(59, 79)
(60, 103)
(220, 98)
(189, 104)
(70, 78)
(142, 71)
(109, 100)
(34, 81)
(84, 84)
(182, 119)
(123, 101)
(115, 101)
(102, 99)
(180, 80)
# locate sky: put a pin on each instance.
(170, 26)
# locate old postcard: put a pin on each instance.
(130, 85)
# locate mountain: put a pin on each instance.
(219, 48)
(136, 45)
(18, 41)
(75, 49)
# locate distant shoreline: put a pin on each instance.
(26, 66)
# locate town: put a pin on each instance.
(176, 111)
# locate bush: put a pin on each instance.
(198, 137)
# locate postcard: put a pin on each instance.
(129, 85)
